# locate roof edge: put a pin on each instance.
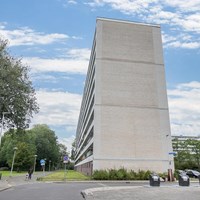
(127, 21)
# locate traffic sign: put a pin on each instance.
(172, 153)
(65, 159)
(42, 162)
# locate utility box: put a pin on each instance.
(154, 180)
(184, 180)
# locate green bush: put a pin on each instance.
(143, 175)
(132, 175)
(120, 174)
(113, 174)
(70, 166)
(100, 175)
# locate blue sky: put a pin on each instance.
(54, 38)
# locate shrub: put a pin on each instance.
(140, 175)
(100, 175)
(132, 175)
(122, 174)
(70, 166)
(113, 174)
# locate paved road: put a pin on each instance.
(166, 191)
(46, 191)
(32, 190)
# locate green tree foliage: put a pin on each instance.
(40, 141)
(25, 150)
(46, 143)
(17, 95)
(188, 154)
(194, 145)
(73, 150)
(24, 156)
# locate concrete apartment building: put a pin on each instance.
(124, 117)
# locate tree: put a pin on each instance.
(73, 150)
(62, 152)
(25, 150)
(17, 96)
(188, 154)
(46, 143)
(40, 141)
(24, 156)
(194, 146)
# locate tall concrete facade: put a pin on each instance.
(124, 116)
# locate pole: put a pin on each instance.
(2, 125)
(49, 165)
(2, 128)
(34, 163)
(43, 170)
(65, 172)
(13, 161)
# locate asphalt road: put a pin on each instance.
(46, 191)
(72, 191)
(54, 191)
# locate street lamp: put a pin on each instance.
(34, 162)
(2, 125)
(13, 161)
(49, 165)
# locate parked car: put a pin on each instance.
(181, 171)
(192, 173)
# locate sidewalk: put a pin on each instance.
(164, 192)
(8, 182)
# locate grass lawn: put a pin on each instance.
(60, 176)
(7, 173)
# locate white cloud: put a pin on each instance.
(67, 142)
(184, 109)
(56, 65)
(48, 78)
(185, 45)
(183, 40)
(181, 15)
(72, 2)
(57, 108)
(27, 36)
(2, 25)
(184, 5)
(73, 61)
(81, 54)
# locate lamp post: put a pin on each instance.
(49, 165)
(13, 161)
(34, 163)
(2, 125)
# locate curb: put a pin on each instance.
(6, 187)
(89, 192)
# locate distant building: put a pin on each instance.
(124, 117)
